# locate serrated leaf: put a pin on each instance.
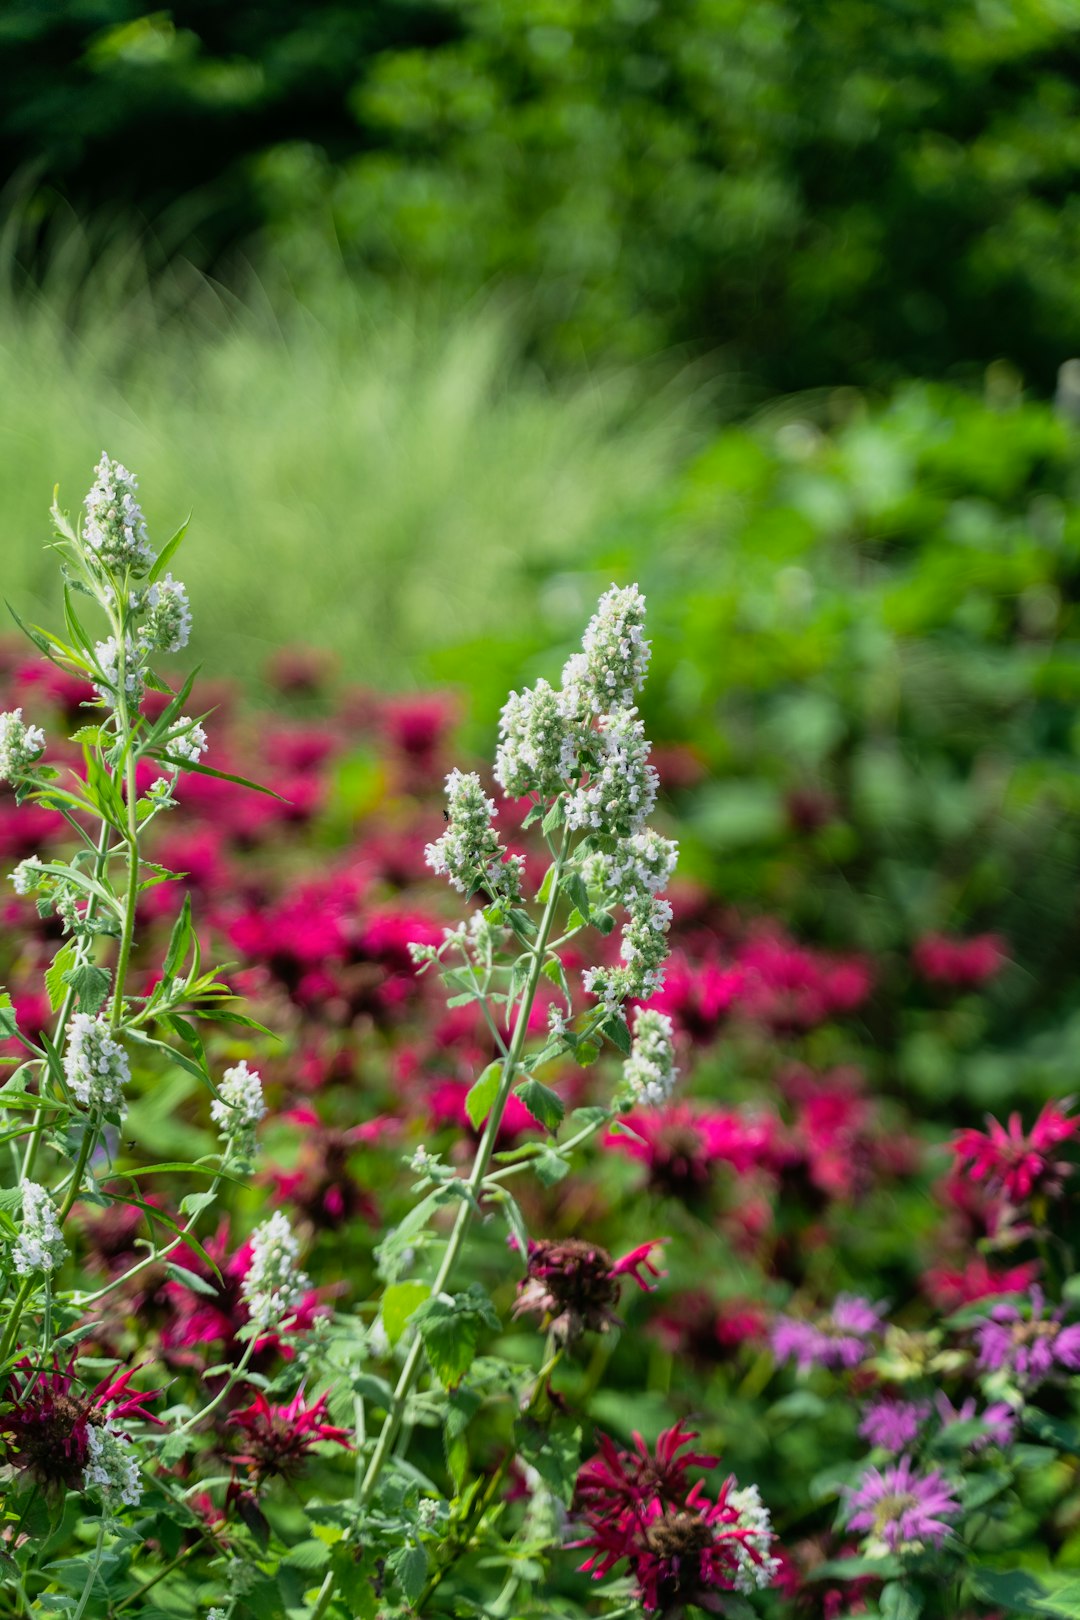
(90, 984)
(550, 1167)
(543, 1104)
(586, 1053)
(8, 1025)
(55, 980)
(398, 1303)
(307, 1555)
(410, 1566)
(617, 1033)
(481, 1096)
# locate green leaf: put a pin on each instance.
(167, 552)
(554, 817)
(410, 1566)
(92, 736)
(56, 975)
(586, 1053)
(179, 940)
(617, 1033)
(308, 1555)
(190, 1279)
(90, 984)
(900, 1600)
(398, 1303)
(574, 886)
(550, 1167)
(450, 1330)
(1012, 1590)
(543, 1104)
(8, 1026)
(554, 1450)
(481, 1097)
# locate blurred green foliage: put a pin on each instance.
(841, 193)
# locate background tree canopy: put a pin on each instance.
(846, 193)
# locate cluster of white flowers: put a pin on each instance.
(428, 1513)
(215, 1614)
(238, 1110)
(112, 1467)
(28, 875)
(40, 1243)
(610, 669)
(644, 951)
(187, 741)
(115, 530)
(95, 1065)
(649, 1073)
(469, 852)
(107, 654)
(758, 1567)
(640, 866)
(20, 745)
(273, 1284)
(541, 741)
(621, 790)
(167, 626)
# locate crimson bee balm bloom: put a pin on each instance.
(1016, 1165)
(575, 1284)
(278, 1439)
(56, 1422)
(683, 1547)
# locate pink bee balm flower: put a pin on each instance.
(1018, 1165)
(1027, 1343)
(902, 1510)
(682, 1144)
(962, 964)
(278, 1439)
(46, 1432)
(682, 1547)
(839, 1339)
(575, 1283)
(999, 1420)
(891, 1424)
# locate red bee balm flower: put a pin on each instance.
(46, 1432)
(278, 1438)
(1014, 1164)
(576, 1283)
(682, 1547)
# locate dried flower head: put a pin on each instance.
(574, 1284)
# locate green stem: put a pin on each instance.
(407, 1378)
(91, 1578)
(128, 935)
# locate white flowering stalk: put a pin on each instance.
(166, 627)
(540, 744)
(649, 1073)
(21, 746)
(469, 852)
(27, 876)
(237, 1110)
(112, 1467)
(114, 530)
(188, 741)
(95, 1065)
(274, 1284)
(40, 1243)
(107, 655)
(758, 1565)
(610, 669)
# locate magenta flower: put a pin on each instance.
(962, 964)
(892, 1424)
(682, 1547)
(902, 1510)
(45, 1432)
(1016, 1164)
(683, 1143)
(277, 1439)
(839, 1339)
(1029, 1344)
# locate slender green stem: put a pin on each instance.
(565, 1148)
(128, 935)
(235, 1375)
(99, 1552)
(411, 1367)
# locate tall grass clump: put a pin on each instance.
(369, 479)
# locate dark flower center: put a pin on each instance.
(576, 1274)
(677, 1534)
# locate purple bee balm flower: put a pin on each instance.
(998, 1419)
(838, 1339)
(1028, 1343)
(901, 1510)
(892, 1425)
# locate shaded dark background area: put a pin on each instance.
(848, 193)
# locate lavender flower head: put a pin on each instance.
(839, 1339)
(1028, 1344)
(893, 1425)
(901, 1510)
